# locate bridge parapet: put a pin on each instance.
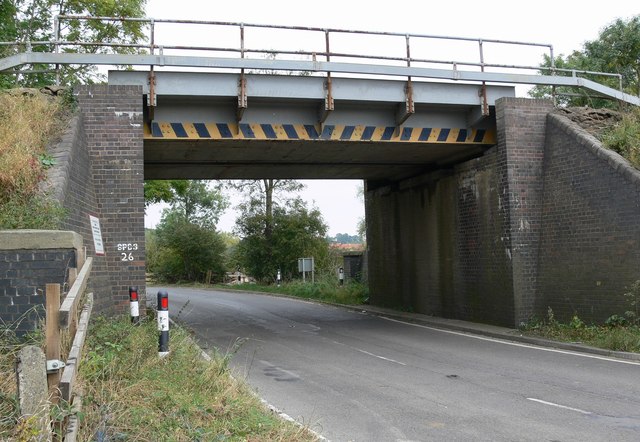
(258, 47)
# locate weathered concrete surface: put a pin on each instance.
(39, 239)
(33, 393)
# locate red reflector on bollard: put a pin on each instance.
(133, 294)
(164, 303)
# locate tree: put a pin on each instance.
(160, 191)
(186, 251)
(262, 196)
(296, 232)
(31, 21)
(186, 244)
(616, 50)
(345, 238)
(192, 198)
(8, 32)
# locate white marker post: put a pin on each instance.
(279, 278)
(134, 308)
(163, 323)
(341, 275)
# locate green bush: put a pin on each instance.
(31, 212)
(624, 138)
(325, 289)
(617, 333)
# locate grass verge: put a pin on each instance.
(353, 293)
(613, 336)
(131, 394)
(624, 138)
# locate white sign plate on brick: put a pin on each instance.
(97, 235)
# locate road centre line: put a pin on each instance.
(515, 344)
(370, 354)
(564, 407)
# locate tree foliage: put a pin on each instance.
(31, 21)
(616, 50)
(185, 251)
(195, 200)
(186, 245)
(296, 232)
(345, 238)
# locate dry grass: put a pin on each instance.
(11, 427)
(27, 124)
(131, 394)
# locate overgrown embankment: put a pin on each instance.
(29, 121)
(618, 131)
(353, 293)
(132, 394)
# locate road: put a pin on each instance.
(352, 376)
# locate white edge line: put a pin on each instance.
(515, 344)
(281, 414)
(564, 407)
(288, 418)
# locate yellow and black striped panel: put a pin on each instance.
(225, 131)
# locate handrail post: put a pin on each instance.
(56, 38)
(409, 105)
(151, 99)
(242, 84)
(553, 72)
(328, 100)
(483, 88)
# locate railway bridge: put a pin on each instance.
(480, 205)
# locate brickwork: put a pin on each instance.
(482, 272)
(521, 126)
(71, 182)
(112, 119)
(463, 244)
(25, 270)
(590, 244)
(435, 244)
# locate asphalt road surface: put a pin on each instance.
(352, 376)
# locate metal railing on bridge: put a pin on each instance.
(330, 52)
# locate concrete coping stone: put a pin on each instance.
(39, 239)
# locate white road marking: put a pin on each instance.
(369, 353)
(286, 417)
(516, 344)
(564, 407)
(379, 357)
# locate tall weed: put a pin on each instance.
(624, 138)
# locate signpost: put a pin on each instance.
(307, 265)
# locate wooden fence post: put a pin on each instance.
(52, 336)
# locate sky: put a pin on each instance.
(566, 25)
